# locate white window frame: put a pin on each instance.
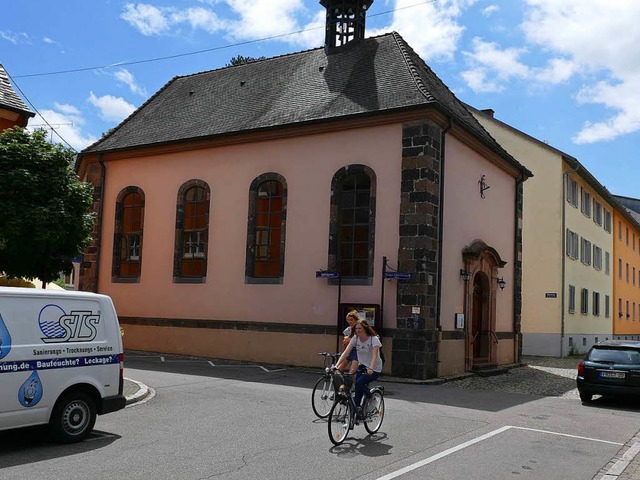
(572, 244)
(585, 251)
(572, 191)
(597, 212)
(607, 220)
(584, 301)
(597, 257)
(596, 304)
(585, 204)
(607, 263)
(572, 299)
(607, 306)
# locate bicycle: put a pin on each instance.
(342, 416)
(324, 391)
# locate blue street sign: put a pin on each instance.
(397, 276)
(323, 274)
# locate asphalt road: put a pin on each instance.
(213, 420)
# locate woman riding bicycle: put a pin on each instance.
(367, 345)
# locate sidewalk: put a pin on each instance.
(135, 391)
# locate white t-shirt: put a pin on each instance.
(364, 351)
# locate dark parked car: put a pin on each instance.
(610, 368)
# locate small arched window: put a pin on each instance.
(266, 229)
(127, 243)
(192, 232)
(352, 226)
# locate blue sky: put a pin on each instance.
(564, 71)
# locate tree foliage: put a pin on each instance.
(239, 60)
(44, 208)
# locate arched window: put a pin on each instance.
(352, 228)
(127, 241)
(192, 232)
(266, 229)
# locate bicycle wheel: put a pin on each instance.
(339, 421)
(322, 397)
(374, 412)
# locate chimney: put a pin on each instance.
(488, 111)
(345, 22)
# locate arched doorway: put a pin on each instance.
(482, 263)
(480, 324)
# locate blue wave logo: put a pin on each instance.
(49, 321)
(5, 339)
(30, 391)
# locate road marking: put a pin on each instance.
(464, 445)
(211, 363)
(180, 360)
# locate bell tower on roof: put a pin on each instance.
(345, 22)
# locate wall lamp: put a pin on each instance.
(464, 275)
(501, 283)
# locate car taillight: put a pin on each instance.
(581, 369)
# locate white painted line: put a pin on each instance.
(211, 363)
(621, 464)
(457, 448)
(271, 371)
(162, 359)
(570, 436)
(440, 455)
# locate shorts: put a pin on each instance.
(353, 355)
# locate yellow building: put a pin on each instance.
(626, 279)
(567, 253)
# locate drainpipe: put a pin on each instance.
(103, 169)
(564, 253)
(517, 345)
(440, 235)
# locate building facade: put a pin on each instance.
(243, 211)
(13, 111)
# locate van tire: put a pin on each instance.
(73, 417)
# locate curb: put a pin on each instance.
(143, 394)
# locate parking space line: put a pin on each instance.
(464, 445)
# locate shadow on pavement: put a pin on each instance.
(461, 395)
(30, 445)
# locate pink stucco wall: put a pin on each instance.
(468, 217)
(308, 165)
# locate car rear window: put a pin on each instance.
(617, 355)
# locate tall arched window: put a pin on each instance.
(127, 241)
(352, 228)
(192, 232)
(266, 229)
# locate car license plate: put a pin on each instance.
(607, 374)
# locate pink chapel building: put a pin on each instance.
(241, 212)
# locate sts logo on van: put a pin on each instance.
(60, 327)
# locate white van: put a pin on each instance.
(61, 360)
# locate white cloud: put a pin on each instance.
(599, 40)
(126, 77)
(147, 19)
(110, 108)
(67, 122)
(431, 29)
(491, 9)
(259, 18)
(198, 18)
(15, 38)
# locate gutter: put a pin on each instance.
(440, 236)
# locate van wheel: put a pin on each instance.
(73, 418)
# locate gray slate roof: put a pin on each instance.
(371, 76)
(9, 99)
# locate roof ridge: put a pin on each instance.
(8, 93)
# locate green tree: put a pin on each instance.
(239, 60)
(44, 208)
